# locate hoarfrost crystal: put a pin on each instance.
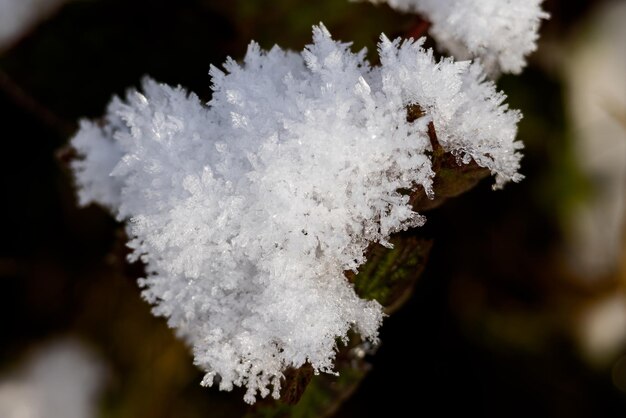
(249, 210)
(499, 32)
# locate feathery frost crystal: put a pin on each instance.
(249, 210)
(499, 32)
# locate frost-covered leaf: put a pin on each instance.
(249, 210)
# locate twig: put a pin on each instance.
(31, 105)
(419, 29)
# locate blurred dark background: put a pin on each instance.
(501, 324)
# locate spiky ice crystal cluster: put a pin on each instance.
(499, 32)
(249, 210)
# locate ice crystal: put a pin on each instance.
(500, 32)
(249, 210)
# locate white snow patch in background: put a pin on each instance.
(595, 74)
(61, 380)
(17, 16)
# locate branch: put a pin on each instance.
(35, 108)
